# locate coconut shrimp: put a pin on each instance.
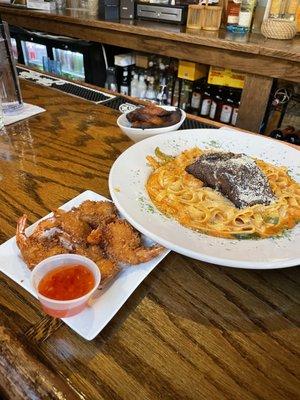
(97, 213)
(123, 244)
(36, 248)
(72, 225)
(108, 268)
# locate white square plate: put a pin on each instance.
(106, 303)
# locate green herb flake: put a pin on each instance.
(272, 220)
(246, 236)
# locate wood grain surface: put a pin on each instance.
(254, 100)
(190, 331)
(249, 53)
(253, 43)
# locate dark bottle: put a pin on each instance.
(185, 95)
(216, 105)
(291, 135)
(277, 134)
(196, 98)
(125, 82)
(227, 107)
(206, 101)
(292, 138)
(111, 80)
(169, 89)
(176, 92)
(236, 105)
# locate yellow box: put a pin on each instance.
(226, 77)
(191, 71)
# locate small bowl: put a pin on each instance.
(63, 308)
(137, 134)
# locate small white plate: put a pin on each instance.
(137, 134)
(130, 172)
(106, 302)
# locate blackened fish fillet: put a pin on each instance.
(152, 116)
(236, 176)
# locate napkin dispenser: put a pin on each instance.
(162, 12)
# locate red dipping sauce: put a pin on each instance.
(67, 282)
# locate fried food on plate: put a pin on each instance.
(123, 244)
(36, 247)
(72, 225)
(97, 213)
(152, 116)
(93, 230)
(108, 268)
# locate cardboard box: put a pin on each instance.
(191, 71)
(226, 77)
(142, 60)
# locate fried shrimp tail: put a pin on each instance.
(95, 237)
(123, 244)
(34, 248)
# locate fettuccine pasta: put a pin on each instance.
(180, 195)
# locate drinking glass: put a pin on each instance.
(9, 84)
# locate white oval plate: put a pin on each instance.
(127, 181)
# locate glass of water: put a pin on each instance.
(9, 83)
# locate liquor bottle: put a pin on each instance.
(111, 80)
(125, 83)
(206, 101)
(236, 105)
(176, 93)
(277, 134)
(216, 105)
(293, 138)
(150, 92)
(169, 89)
(245, 16)
(134, 86)
(141, 87)
(149, 72)
(185, 96)
(161, 93)
(227, 108)
(196, 97)
(233, 12)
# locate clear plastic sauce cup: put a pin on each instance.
(63, 308)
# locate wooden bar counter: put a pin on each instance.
(261, 59)
(190, 331)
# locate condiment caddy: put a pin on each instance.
(205, 16)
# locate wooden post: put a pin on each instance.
(254, 101)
